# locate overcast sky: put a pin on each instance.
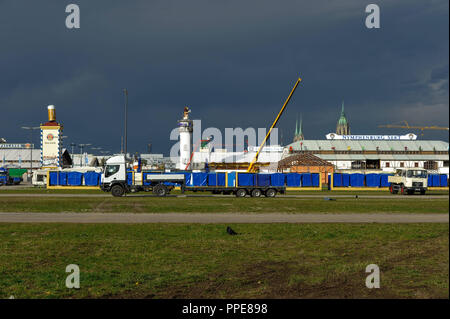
(232, 62)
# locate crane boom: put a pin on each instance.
(251, 167)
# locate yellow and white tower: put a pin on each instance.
(51, 141)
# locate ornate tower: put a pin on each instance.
(51, 141)
(299, 131)
(185, 128)
(342, 127)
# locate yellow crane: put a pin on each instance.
(251, 167)
(421, 128)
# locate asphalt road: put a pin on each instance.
(219, 218)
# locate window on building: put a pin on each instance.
(402, 164)
(416, 164)
(445, 163)
(358, 165)
(430, 165)
(388, 164)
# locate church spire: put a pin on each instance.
(343, 127)
(298, 130)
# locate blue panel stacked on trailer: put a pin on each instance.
(356, 180)
(277, 179)
(293, 180)
(443, 180)
(263, 179)
(212, 179)
(53, 178)
(246, 179)
(337, 179)
(74, 178)
(315, 180)
(430, 180)
(188, 179)
(346, 180)
(91, 178)
(62, 178)
(373, 180)
(307, 180)
(216, 179)
(200, 179)
(231, 179)
(384, 180)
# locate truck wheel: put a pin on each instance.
(410, 192)
(271, 192)
(393, 190)
(256, 192)
(422, 192)
(403, 190)
(160, 190)
(117, 191)
(241, 192)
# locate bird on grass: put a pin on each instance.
(230, 231)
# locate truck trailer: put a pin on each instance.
(119, 180)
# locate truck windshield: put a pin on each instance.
(417, 174)
(111, 170)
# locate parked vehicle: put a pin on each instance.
(117, 179)
(408, 181)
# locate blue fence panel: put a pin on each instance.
(436, 182)
(384, 180)
(263, 179)
(91, 178)
(278, 179)
(346, 180)
(74, 178)
(53, 178)
(443, 180)
(293, 180)
(337, 179)
(315, 180)
(306, 180)
(246, 179)
(62, 178)
(373, 180)
(356, 180)
(200, 179)
(430, 180)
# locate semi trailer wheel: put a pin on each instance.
(256, 192)
(160, 190)
(117, 191)
(241, 192)
(271, 192)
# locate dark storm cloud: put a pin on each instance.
(233, 62)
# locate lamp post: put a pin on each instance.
(125, 91)
(81, 146)
(31, 128)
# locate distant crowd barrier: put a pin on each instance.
(61, 179)
(374, 180)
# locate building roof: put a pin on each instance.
(369, 145)
(303, 159)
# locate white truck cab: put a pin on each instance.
(408, 181)
(114, 179)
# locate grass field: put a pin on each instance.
(203, 261)
(152, 204)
